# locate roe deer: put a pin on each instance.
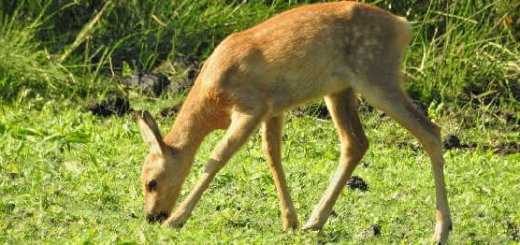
(331, 50)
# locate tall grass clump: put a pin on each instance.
(96, 40)
(142, 34)
(26, 68)
(464, 51)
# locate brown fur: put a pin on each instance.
(330, 50)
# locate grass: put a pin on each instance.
(67, 176)
(72, 177)
(88, 41)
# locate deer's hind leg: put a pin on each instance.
(343, 108)
(271, 142)
(388, 96)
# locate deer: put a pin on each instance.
(333, 51)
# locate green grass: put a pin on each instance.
(71, 177)
(458, 47)
(67, 176)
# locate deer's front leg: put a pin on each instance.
(242, 126)
(271, 140)
(343, 109)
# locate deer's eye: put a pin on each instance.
(152, 185)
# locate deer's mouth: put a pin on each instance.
(158, 217)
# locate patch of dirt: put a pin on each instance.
(171, 111)
(153, 84)
(453, 142)
(356, 182)
(112, 106)
(372, 231)
(507, 148)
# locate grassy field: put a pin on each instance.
(68, 176)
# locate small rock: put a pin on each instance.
(356, 182)
(154, 83)
(451, 142)
(114, 105)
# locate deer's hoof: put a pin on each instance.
(442, 230)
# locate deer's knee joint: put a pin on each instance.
(356, 151)
(436, 130)
(433, 143)
(363, 145)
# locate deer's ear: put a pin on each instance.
(150, 131)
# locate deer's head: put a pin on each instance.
(162, 175)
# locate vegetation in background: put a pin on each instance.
(69, 176)
(463, 50)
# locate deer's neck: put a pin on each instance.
(192, 125)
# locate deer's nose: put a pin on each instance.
(159, 217)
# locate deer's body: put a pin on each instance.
(329, 50)
(331, 46)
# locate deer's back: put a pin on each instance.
(306, 53)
